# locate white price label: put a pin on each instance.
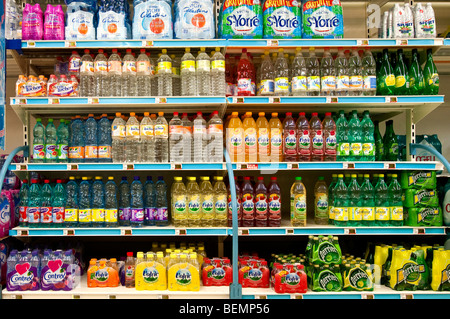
(272, 43)
(93, 100)
(31, 44)
(147, 43)
(70, 44)
(53, 101)
(160, 100)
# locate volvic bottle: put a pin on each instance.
(267, 76)
(395, 202)
(143, 74)
(118, 133)
(188, 74)
(329, 138)
(321, 199)
(176, 134)
(381, 202)
(368, 140)
(203, 72)
(91, 140)
(274, 203)
(218, 84)
(263, 138)
(23, 203)
(101, 85)
(238, 204)
(162, 210)
(354, 202)
(161, 139)
(137, 203)
(299, 73)
(58, 204)
(46, 217)
(355, 137)
(215, 139)
(331, 199)
(281, 75)
(250, 138)
(327, 74)
(124, 203)
(289, 138)
(179, 203)
(129, 83)
(367, 202)
(164, 75)
(342, 75)
(71, 204)
(34, 204)
(340, 202)
(38, 142)
(355, 74)
(303, 138)
(313, 79)
(276, 139)
(207, 203)
(111, 203)
(51, 153)
(98, 202)
(84, 208)
(261, 203)
(220, 205)
(62, 142)
(194, 202)
(248, 203)
(369, 73)
(298, 203)
(317, 138)
(199, 139)
(132, 140)
(115, 73)
(87, 74)
(147, 139)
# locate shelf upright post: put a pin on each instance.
(235, 287)
(410, 134)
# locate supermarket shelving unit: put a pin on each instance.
(381, 108)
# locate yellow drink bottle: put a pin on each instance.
(194, 202)
(250, 139)
(207, 202)
(235, 139)
(263, 128)
(276, 139)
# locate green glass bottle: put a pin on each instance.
(431, 76)
(416, 79)
(401, 75)
(390, 142)
(379, 147)
(386, 78)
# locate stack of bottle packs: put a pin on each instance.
(420, 199)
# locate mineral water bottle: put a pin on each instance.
(162, 212)
(71, 204)
(179, 203)
(143, 74)
(431, 75)
(91, 138)
(401, 75)
(62, 142)
(354, 202)
(51, 153)
(385, 76)
(340, 202)
(104, 140)
(369, 73)
(416, 79)
(149, 202)
(207, 203)
(321, 202)
(164, 74)
(263, 138)
(203, 70)
(194, 202)
(12, 20)
(118, 132)
(368, 139)
(200, 139)
(274, 203)
(77, 140)
(281, 75)
(343, 146)
(267, 84)
(132, 141)
(289, 138)
(218, 84)
(176, 78)
(342, 75)
(355, 74)
(176, 144)
(355, 137)
(161, 139)
(74, 64)
(381, 202)
(367, 202)
(303, 138)
(188, 74)
(187, 138)
(137, 203)
(147, 138)
(101, 85)
(244, 75)
(215, 139)
(327, 74)
(313, 78)
(23, 203)
(84, 206)
(98, 202)
(299, 72)
(317, 138)
(129, 82)
(329, 138)
(250, 138)
(87, 74)
(235, 138)
(390, 142)
(34, 204)
(115, 73)
(298, 203)
(261, 203)
(220, 205)
(395, 202)
(124, 203)
(248, 203)
(58, 204)
(38, 142)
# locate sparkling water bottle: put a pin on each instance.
(84, 208)
(137, 203)
(23, 203)
(124, 203)
(143, 74)
(161, 139)
(162, 217)
(281, 71)
(327, 74)
(45, 211)
(215, 139)
(38, 142)
(188, 74)
(299, 72)
(355, 74)
(218, 84)
(62, 142)
(118, 132)
(203, 70)
(341, 72)
(132, 140)
(164, 75)
(111, 203)
(200, 139)
(87, 74)
(101, 85)
(115, 73)
(149, 202)
(34, 204)
(147, 139)
(98, 202)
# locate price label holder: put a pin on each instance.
(147, 43)
(331, 99)
(128, 167)
(72, 167)
(181, 232)
(292, 165)
(350, 231)
(439, 41)
(160, 100)
(367, 296)
(362, 42)
(53, 101)
(76, 297)
(176, 166)
(69, 232)
(31, 44)
(22, 167)
(260, 297)
(238, 99)
(391, 166)
(401, 42)
(127, 232)
(276, 99)
(17, 297)
(243, 232)
(391, 99)
(349, 165)
(419, 231)
(70, 44)
(249, 166)
(407, 296)
(294, 296)
(272, 43)
(93, 100)
(163, 297)
(21, 101)
(23, 232)
(112, 297)
(289, 231)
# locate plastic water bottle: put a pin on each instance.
(51, 153)
(369, 73)
(132, 141)
(281, 75)
(34, 204)
(267, 84)
(188, 74)
(313, 79)
(76, 141)
(111, 203)
(207, 203)
(23, 203)
(46, 217)
(147, 138)
(327, 74)
(340, 202)
(329, 138)
(38, 142)
(299, 73)
(74, 64)
(149, 202)
(368, 139)
(101, 85)
(176, 79)
(12, 20)
(104, 140)
(98, 202)
(137, 203)
(381, 202)
(355, 138)
(62, 142)
(115, 73)
(129, 83)
(164, 75)
(118, 132)
(143, 74)
(162, 217)
(124, 203)
(215, 139)
(71, 204)
(303, 138)
(341, 72)
(91, 140)
(317, 138)
(161, 139)
(355, 74)
(58, 204)
(87, 74)
(176, 144)
(187, 137)
(203, 70)
(200, 139)
(84, 206)
(218, 84)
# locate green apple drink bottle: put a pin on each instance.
(367, 202)
(354, 202)
(340, 202)
(381, 202)
(431, 75)
(395, 202)
(390, 142)
(386, 77)
(416, 79)
(401, 75)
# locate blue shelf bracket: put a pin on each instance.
(24, 149)
(235, 287)
(413, 150)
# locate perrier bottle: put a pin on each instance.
(416, 79)
(401, 75)
(431, 75)
(386, 77)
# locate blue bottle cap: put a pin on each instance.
(149, 178)
(124, 178)
(160, 178)
(136, 178)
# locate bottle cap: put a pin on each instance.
(289, 114)
(247, 178)
(298, 178)
(110, 178)
(146, 113)
(301, 113)
(261, 114)
(273, 178)
(160, 113)
(260, 178)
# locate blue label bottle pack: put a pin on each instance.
(194, 19)
(152, 20)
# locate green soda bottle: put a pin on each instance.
(381, 202)
(367, 202)
(379, 147)
(395, 202)
(355, 137)
(354, 202)
(431, 76)
(390, 142)
(368, 140)
(331, 199)
(401, 75)
(416, 79)
(386, 77)
(343, 146)
(340, 202)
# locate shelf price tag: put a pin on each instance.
(331, 99)
(22, 167)
(69, 232)
(272, 43)
(176, 166)
(367, 296)
(160, 100)
(406, 296)
(402, 41)
(147, 43)
(70, 44)
(93, 100)
(238, 99)
(181, 232)
(128, 167)
(31, 44)
(362, 42)
(419, 231)
(21, 101)
(72, 167)
(16, 297)
(294, 296)
(438, 41)
(249, 166)
(292, 165)
(350, 231)
(391, 99)
(23, 232)
(53, 101)
(289, 231)
(275, 99)
(243, 232)
(127, 232)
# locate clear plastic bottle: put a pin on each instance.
(327, 74)
(115, 73)
(321, 202)
(220, 204)
(129, 81)
(84, 208)
(101, 85)
(299, 72)
(281, 75)
(329, 138)
(149, 202)
(164, 75)
(118, 132)
(267, 84)
(77, 140)
(98, 202)
(161, 139)
(303, 138)
(179, 203)
(187, 138)
(188, 74)
(91, 139)
(62, 142)
(176, 145)
(176, 77)
(143, 74)
(111, 203)
(132, 141)
(162, 212)
(58, 204)
(137, 203)
(104, 140)
(147, 138)
(194, 202)
(313, 79)
(355, 74)
(369, 73)
(130, 270)
(317, 138)
(51, 153)
(218, 84)
(38, 142)
(200, 139)
(207, 203)
(124, 203)
(203, 71)
(298, 203)
(87, 74)
(74, 64)
(342, 75)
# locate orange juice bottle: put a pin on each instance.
(250, 138)
(276, 139)
(92, 269)
(263, 138)
(235, 138)
(102, 274)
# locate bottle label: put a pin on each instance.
(221, 205)
(124, 213)
(74, 64)
(38, 151)
(393, 149)
(179, 207)
(91, 152)
(98, 215)
(104, 152)
(330, 143)
(58, 215)
(137, 215)
(400, 81)
(161, 130)
(115, 66)
(76, 152)
(368, 149)
(368, 213)
(146, 130)
(23, 217)
(304, 142)
(34, 215)
(342, 82)
(267, 87)
(188, 65)
(235, 141)
(148, 213)
(100, 66)
(218, 65)
(133, 130)
(370, 82)
(215, 129)
(118, 131)
(356, 149)
(87, 67)
(261, 207)
(143, 67)
(341, 214)
(164, 67)
(63, 151)
(390, 80)
(281, 85)
(71, 215)
(274, 207)
(263, 142)
(162, 214)
(317, 142)
(382, 213)
(46, 215)
(344, 149)
(84, 215)
(290, 142)
(244, 86)
(313, 83)
(51, 151)
(355, 214)
(331, 212)
(238, 208)
(276, 143)
(356, 82)
(321, 207)
(433, 80)
(203, 65)
(396, 213)
(299, 83)
(298, 207)
(250, 141)
(208, 207)
(248, 207)
(129, 67)
(328, 83)
(194, 207)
